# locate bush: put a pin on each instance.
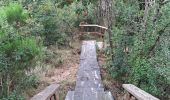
(141, 54)
(15, 14)
(14, 96)
(57, 23)
(18, 54)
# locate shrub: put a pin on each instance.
(57, 23)
(15, 14)
(18, 54)
(141, 54)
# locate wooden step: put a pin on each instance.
(72, 95)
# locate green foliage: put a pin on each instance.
(87, 2)
(85, 13)
(15, 13)
(120, 65)
(18, 54)
(14, 96)
(141, 54)
(57, 22)
(145, 76)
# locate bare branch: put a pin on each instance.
(165, 2)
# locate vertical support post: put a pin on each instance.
(100, 30)
(55, 98)
(95, 29)
(104, 30)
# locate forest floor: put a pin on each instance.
(60, 68)
(64, 73)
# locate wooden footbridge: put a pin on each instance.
(89, 83)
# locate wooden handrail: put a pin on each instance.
(138, 93)
(92, 29)
(48, 93)
(92, 25)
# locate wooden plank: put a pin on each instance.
(93, 33)
(104, 96)
(93, 25)
(47, 93)
(88, 77)
(70, 95)
(89, 85)
(138, 93)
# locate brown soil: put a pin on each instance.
(63, 74)
(66, 71)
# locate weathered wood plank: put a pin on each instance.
(93, 33)
(104, 96)
(86, 95)
(88, 82)
(91, 75)
(89, 25)
(47, 93)
(88, 85)
(138, 93)
(70, 95)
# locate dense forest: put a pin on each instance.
(138, 38)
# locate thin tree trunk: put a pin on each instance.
(106, 19)
(146, 12)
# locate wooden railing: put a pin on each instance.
(92, 29)
(49, 93)
(137, 93)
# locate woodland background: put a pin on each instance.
(138, 38)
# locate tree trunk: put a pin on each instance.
(106, 19)
(105, 13)
(148, 5)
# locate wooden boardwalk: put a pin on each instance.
(88, 85)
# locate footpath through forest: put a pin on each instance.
(89, 85)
